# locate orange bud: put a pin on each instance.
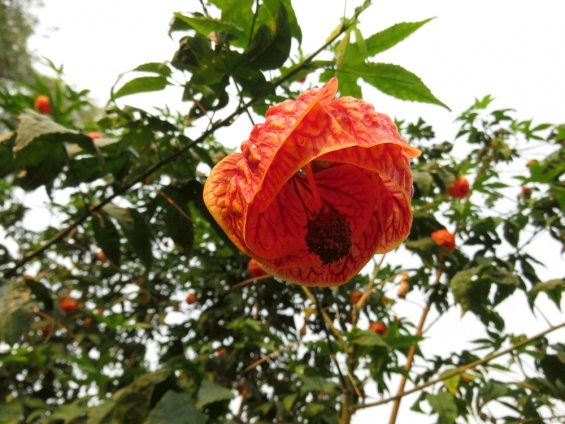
(67, 305)
(356, 297)
(444, 238)
(459, 188)
(42, 104)
(191, 298)
(378, 327)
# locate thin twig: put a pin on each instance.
(270, 355)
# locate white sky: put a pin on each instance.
(508, 48)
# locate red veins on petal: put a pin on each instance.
(316, 154)
(460, 188)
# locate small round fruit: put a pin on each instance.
(191, 298)
(42, 104)
(67, 305)
(378, 327)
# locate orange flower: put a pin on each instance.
(317, 190)
(444, 238)
(255, 269)
(94, 134)
(459, 189)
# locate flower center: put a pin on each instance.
(328, 233)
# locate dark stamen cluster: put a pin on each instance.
(328, 235)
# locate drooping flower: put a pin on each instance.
(460, 188)
(444, 238)
(317, 190)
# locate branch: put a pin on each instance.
(460, 370)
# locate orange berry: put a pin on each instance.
(101, 256)
(67, 305)
(444, 238)
(459, 188)
(378, 327)
(42, 104)
(254, 269)
(221, 352)
(191, 298)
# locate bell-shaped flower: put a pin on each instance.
(317, 190)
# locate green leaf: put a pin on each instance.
(99, 412)
(366, 338)
(270, 46)
(468, 290)
(17, 311)
(204, 25)
(289, 400)
(313, 409)
(136, 230)
(444, 405)
(141, 85)
(132, 402)
(553, 289)
(396, 81)
(10, 413)
(452, 383)
(317, 384)
(391, 36)
(107, 237)
(423, 181)
(175, 408)
(156, 68)
(210, 392)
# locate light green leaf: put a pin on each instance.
(99, 412)
(367, 338)
(10, 413)
(552, 288)
(175, 408)
(17, 311)
(396, 81)
(289, 400)
(141, 85)
(210, 393)
(391, 36)
(204, 25)
(444, 405)
(452, 383)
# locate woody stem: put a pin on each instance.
(312, 183)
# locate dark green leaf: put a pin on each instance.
(210, 393)
(156, 68)
(175, 408)
(136, 230)
(270, 46)
(132, 402)
(107, 237)
(141, 85)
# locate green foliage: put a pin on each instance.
(132, 238)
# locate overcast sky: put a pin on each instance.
(511, 49)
